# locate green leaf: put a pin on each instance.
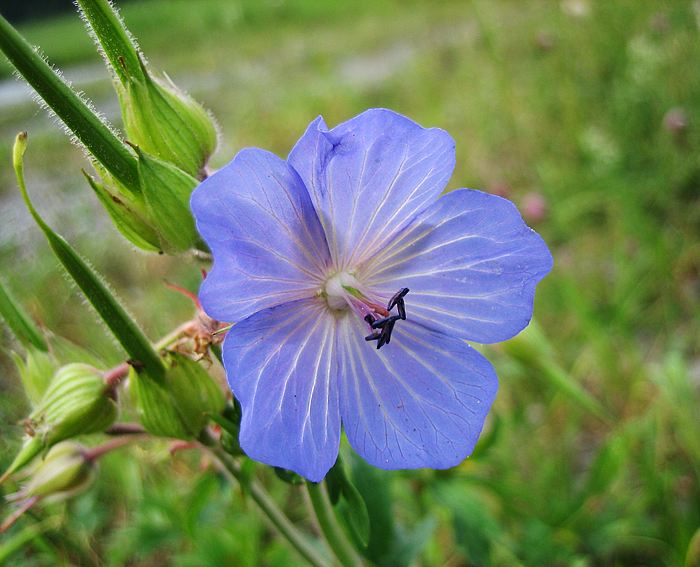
(80, 119)
(343, 493)
(374, 486)
(476, 528)
(107, 306)
(410, 544)
(19, 322)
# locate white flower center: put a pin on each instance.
(337, 288)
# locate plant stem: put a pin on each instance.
(329, 525)
(260, 496)
(80, 119)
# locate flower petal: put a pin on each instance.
(281, 366)
(420, 401)
(268, 245)
(369, 176)
(471, 264)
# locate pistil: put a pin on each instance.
(343, 291)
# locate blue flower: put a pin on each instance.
(354, 288)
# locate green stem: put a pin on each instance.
(95, 135)
(125, 329)
(329, 525)
(116, 44)
(266, 504)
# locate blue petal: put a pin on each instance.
(471, 264)
(420, 401)
(369, 176)
(281, 366)
(268, 245)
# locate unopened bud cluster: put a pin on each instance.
(76, 402)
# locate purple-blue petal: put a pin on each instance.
(471, 264)
(369, 176)
(268, 246)
(281, 366)
(420, 401)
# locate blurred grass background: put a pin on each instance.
(585, 113)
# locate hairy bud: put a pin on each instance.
(76, 402)
(166, 122)
(64, 472)
(181, 406)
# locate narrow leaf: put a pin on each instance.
(80, 119)
(19, 322)
(112, 313)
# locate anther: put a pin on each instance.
(385, 337)
(397, 297)
(379, 323)
(387, 321)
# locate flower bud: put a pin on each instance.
(76, 402)
(166, 194)
(64, 472)
(127, 212)
(166, 122)
(180, 406)
(156, 215)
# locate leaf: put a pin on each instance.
(19, 322)
(135, 343)
(475, 527)
(374, 487)
(351, 505)
(80, 119)
(409, 545)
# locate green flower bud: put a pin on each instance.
(181, 406)
(77, 402)
(64, 472)
(166, 122)
(155, 216)
(127, 211)
(166, 191)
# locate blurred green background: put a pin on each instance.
(585, 113)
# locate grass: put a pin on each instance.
(574, 108)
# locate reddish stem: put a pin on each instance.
(12, 518)
(95, 453)
(114, 376)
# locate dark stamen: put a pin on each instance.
(401, 306)
(385, 337)
(399, 295)
(378, 324)
(386, 324)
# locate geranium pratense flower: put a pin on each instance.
(354, 287)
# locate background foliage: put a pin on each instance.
(591, 109)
